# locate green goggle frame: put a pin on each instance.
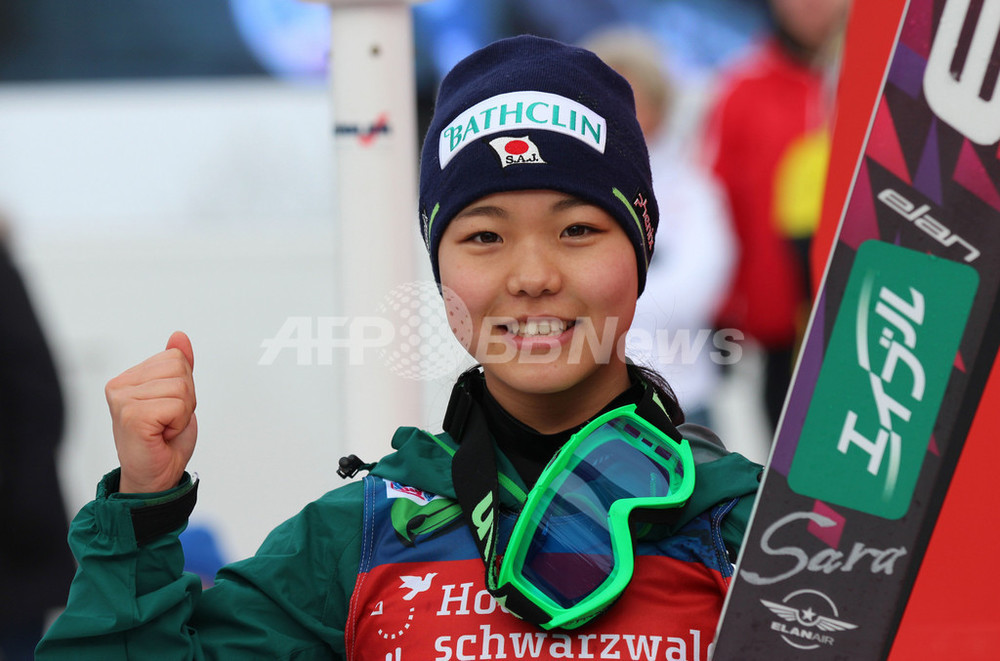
(571, 552)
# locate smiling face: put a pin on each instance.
(550, 283)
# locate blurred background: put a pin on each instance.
(168, 165)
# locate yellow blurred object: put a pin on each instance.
(799, 183)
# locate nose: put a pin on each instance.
(534, 271)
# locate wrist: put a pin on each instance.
(128, 485)
(154, 514)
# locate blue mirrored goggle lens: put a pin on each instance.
(570, 554)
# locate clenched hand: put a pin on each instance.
(153, 421)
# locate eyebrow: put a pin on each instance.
(568, 202)
(481, 210)
(571, 203)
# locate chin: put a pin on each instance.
(547, 378)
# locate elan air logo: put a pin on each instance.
(807, 619)
(518, 111)
(883, 378)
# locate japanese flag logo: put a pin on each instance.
(513, 151)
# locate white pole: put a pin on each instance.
(373, 106)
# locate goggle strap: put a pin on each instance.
(459, 405)
(518, 605)
(474, 475)
(651, 410)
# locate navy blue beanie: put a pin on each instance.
(528, 113)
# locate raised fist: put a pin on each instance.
(153, 421)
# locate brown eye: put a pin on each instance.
(578, 230)
(485, 237)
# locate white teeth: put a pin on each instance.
(545, 327)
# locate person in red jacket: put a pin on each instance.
(767, 142)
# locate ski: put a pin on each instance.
(902, 338)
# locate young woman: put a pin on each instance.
(561, 514)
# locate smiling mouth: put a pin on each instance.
(537, 327)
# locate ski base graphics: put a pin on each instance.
(902, 339)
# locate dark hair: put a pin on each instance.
(663, 391)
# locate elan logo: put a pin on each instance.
(922, 220)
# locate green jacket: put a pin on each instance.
(290, 600)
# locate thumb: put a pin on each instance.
(180, 340)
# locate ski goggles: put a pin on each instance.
(571, 551)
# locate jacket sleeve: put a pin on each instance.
(724, 475)
(134, 601)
